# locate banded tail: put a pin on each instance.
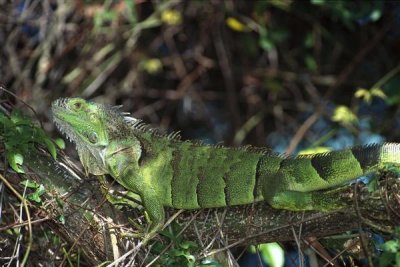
(296, 181)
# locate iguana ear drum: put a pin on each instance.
(92, 137)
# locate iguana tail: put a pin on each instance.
(293, 183)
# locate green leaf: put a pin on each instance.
(362, 93)
(151, 65)
(272, 253)
(368, 95)
(318, 2)
(311, 63)
(51, 147)
(309, 40)
(34, 197)
(15, 160)
(373, 185)
(5, 122)
(18, 119)
(345, 116)
(236, 25)
(378, 93)
(264, 40)
(19, 134)
(39, 190)
(60, 143)
(386, 259)
(376, 15)
(171, 17)
(61, 219)
(188, 245)
(60, 202)
(30, 184)
(131, 12)
(211, 262)
(391, 246)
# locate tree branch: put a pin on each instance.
(220, 228)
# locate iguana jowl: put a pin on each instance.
(165, 171)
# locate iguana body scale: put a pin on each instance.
(167, 172)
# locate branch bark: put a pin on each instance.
(221, 228)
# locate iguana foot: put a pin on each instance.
(144, 233)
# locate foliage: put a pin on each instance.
(368, 95)
(181, 254)
(391, 251)
(19, 135)
(271, 253)
(38, 190)
(344, 115)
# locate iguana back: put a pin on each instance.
(192, 176)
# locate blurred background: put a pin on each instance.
(295, 76)
(279, 73)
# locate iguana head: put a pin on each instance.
(81, 121)
(89, 125)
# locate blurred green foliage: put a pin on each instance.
(391, 251)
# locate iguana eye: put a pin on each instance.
(92, 137)
(77, 105)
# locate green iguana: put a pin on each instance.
(167, 172)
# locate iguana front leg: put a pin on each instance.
(152, 205)
(122, 161)
(117, 195)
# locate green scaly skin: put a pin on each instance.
(167, 172)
